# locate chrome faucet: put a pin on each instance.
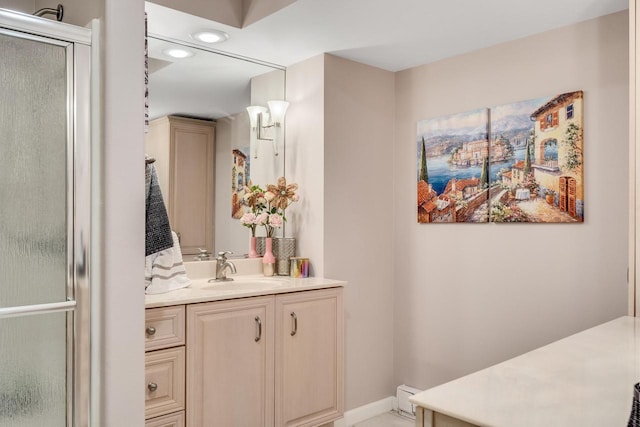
(204, 255)
(221, 268)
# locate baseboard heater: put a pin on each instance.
(406, 408)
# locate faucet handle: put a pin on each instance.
(203, 255)
(223, 254)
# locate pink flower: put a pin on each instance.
(262, 219)
(275, 220)
(248, 219)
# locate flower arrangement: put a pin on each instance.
(268, 206)
(255, 200)
(530, 183)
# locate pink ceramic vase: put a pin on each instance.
(252, 248)
(268, 257)
(268, 260)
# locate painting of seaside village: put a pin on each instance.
(519, 162)
(240, 179)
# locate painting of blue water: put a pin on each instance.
(517, 162)
(441, 171)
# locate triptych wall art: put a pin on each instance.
(519, 162)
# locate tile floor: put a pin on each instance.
(390, 419)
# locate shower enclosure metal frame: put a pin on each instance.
(77, 43)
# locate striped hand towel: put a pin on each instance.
(634, 418)
(158, 229)
(164, 270)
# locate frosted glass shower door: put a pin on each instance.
(38, 244)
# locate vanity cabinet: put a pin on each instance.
(309, 363)
(184, 150)
(266, 361)
(230, 363)
(165, 366)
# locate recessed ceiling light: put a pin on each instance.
(210, 36)
(177, 53)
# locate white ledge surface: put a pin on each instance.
(584, 380)
(241, 287)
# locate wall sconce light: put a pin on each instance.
(266, 124)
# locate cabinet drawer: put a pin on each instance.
(164, 381)
(164, 327)
(171, 420)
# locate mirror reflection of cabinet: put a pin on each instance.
(215, 86)
(184, 150)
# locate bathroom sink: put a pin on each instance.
(244, 285)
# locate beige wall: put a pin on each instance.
(358, 181)
(76, 12)
(231, 132)
(339, 149)
(468, 296)
(24, 6)
(304, 136)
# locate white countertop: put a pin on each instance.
(583, 380)
(242, 286)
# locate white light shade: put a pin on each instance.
(178, 53)
(210, 36)
(254, 111)
(278, 110)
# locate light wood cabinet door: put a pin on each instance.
(184, 150)
(230, 363)
(309, 358)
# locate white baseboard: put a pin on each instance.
(367, 411)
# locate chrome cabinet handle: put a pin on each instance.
(151, 331)
(259, 322)
(295, 323)
(152, 386)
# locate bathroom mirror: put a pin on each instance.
(218, 86)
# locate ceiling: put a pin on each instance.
(205, 85)
(392, 35)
